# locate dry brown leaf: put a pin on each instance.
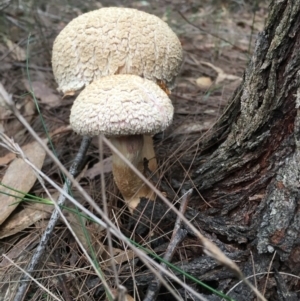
(61, 130)
(204, 82)
(25, 218)
(14, 128)
(129, 298)
(7, 158)
(20, 176)
(119, 255)
(18, 53)
(123, 297)
(69, 93)
(3, 96)
(96, 169)
(44, 93)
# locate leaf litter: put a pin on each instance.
(19, 177)
(196, 108)
(43, 92)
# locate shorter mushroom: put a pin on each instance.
(124, 108)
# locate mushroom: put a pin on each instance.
(115, 40)
(124, 108)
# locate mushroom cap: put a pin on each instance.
(121, 105)
(115, 41)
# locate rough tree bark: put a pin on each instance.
(248, 169)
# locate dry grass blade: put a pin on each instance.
(213, 251)
(4, 4)
(96, 169)
(19, 248)
(259, 274)
(178, 235)
(221, 74)
(30, 277)
(269, 269)
(4, 98)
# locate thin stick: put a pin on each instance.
(178, 235)
(52, 222)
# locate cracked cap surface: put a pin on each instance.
(121, 105)
(115, 41)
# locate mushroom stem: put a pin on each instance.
(129, 183)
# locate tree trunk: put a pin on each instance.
(248, 169)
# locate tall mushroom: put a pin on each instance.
(124, 108)
(116, 40)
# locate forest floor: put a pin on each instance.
(218, 38)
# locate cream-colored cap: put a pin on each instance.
(121, 105)
(115, 41)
